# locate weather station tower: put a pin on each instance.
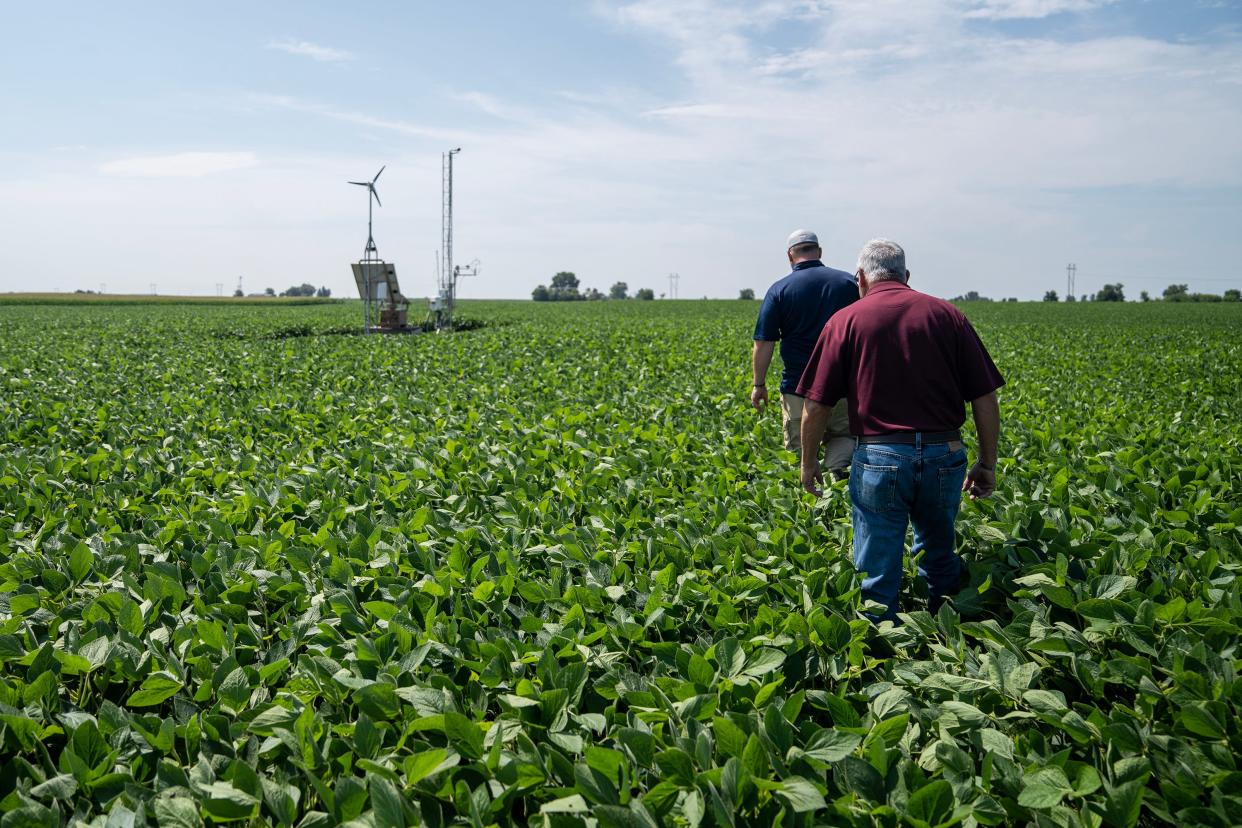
(383, 307)
(444, 306)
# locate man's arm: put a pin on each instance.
(981, 479)
(814, 424)
(761, 358)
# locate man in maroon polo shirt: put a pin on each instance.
(906, 363)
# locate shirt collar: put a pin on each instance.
(805, 265)
(887, 284)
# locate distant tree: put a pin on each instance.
(1071, 298)
(619, 290)
(323, 293)
(1144, 296)
(1084, 298)
(1176, 293)
(540, 294)
(238, 293)
(644, 294)
(1051, 296)
(564, 287)
(971, 296)
(661, 295)
(1012, 299)
(1110, 293)
(1233, 295)
(747, 294)
(268, 292)
(564, 281)
(593, 295)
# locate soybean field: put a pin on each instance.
(258, 569)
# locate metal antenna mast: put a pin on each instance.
(673, 279)
(446, 301)
(1071, 270)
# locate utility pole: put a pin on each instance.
(1071, 271)
(103, 288)
(153, 288)
(673, 278)
(219, 288)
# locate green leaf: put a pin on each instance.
(387, 802)
(80, 561)
(1040, 796)
(225, 803)
(234, 691)
(464, 735)
(379, 701)
(763, 661)
(861, 778)
(676, 766)
(156, 689)
(424, 764)
(701, 671)
(832, 745)
(176, 812)
(730, 739)
(801, 795)
(1196, 718)
(933, 803)
(62, 786)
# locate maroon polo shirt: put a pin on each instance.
(904, 360)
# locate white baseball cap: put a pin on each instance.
(799, 237)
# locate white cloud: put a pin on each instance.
(180, 165)
(351, 116)
(1018, 9)
(493, 106)
(314, 51)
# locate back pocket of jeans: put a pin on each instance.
(874, 487)
(951, 478)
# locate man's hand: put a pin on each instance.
(980, 481)
(759, 397)
(761, 358)
(812, 475)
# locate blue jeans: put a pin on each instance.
(892, 485)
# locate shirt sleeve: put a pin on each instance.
(976, 372)
(768, 327)
(824, 379)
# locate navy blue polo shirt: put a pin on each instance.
(795, 310)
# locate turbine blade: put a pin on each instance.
(377, 175)
(375, 193)
(361, 183)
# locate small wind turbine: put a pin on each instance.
(371, 194)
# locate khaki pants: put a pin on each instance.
(838, 441)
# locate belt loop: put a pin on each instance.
(918, 441)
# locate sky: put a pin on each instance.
(181, 146)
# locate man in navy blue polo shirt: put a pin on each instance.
(794, 311)
(907, 363)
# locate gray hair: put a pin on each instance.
(882, 260)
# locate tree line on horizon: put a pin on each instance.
(566, 287)
(1116, 293)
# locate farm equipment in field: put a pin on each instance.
(384, 308)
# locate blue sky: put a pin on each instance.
(186, 146)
